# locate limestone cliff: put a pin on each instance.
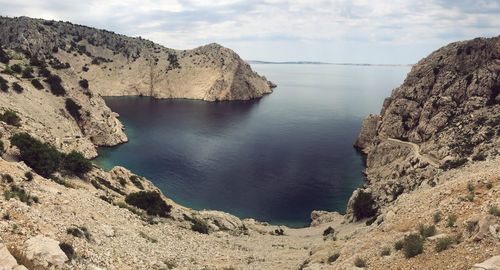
(445, 114)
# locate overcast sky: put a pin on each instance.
(358, 31)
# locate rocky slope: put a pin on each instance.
(433, 149)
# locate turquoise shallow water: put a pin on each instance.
(274, 159)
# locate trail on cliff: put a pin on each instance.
(416, 150)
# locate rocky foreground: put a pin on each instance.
(431, 200)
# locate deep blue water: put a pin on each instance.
(274, 159)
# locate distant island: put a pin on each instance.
(324, 63)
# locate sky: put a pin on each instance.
(341, 31)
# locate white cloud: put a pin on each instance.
(322, 24)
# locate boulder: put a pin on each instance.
(41, 252)
(7, 261)
(492, 263)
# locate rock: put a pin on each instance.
(42, 252)
(221, 221)
(484, 227)
(7, 261)
(492, 263)
(321, 217)
(437, 237)
(108, 230)
(368, 133)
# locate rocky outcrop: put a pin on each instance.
(41, 252)
(446, 113)
(492, 263)
(7, 261)
(117, 65)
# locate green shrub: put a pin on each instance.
(398, 245)
(84, 83)
(7, 70)
(41, 157)
(413, 245)
(56, 87)
(328, 231)
(450, 222)
(150, 201)
(199, 225)
(136, 181)
(10, 118)
(17, 88)
(386, 251)
(333, 257)
(4, 57)
(494, 210)
(427, 231)
(437, 217)
(2, 148)
(364, 205)
(122, 181)
(37, 84)
(20, 193)
(75, 163)
(16, 68)
(44, 72)
(73, 108)
(7, 178)
(3, 84)
(29, 176)
(27, 73)
(444, 243)
(470, 226)
(359, 262)
(68, 250)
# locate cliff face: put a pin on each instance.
(445, 114)
(118, 65)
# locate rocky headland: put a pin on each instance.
(431, 199)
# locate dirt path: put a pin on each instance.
(416, 149)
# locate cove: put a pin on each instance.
(274, 159)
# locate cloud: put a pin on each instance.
(248, 23)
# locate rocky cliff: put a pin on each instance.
(445, 114)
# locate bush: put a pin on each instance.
(364, 205)
(398, 245)
(2, 148)
(7, 178)
(494, 210)
(28, 73)
(3, 85)
(136, 181)
(150, 201)
(444, 243)
(56, 88)
(328, 231)
(427, 231)
(44, 72)
(437, 217)
(20, 193)
(333, 257)
(413, 245)
(358, 262)
(17, 88)
(29, 176)
(68, 250)
(75, 163)
(16, 68)
(451, 220)
(37, 84)
(199, 225)
(10, 118)
(73, 108)
(386, 251)
(43, 158)
(84, 83)
(4, 57)
(80, 232)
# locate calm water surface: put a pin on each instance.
(275, 159)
